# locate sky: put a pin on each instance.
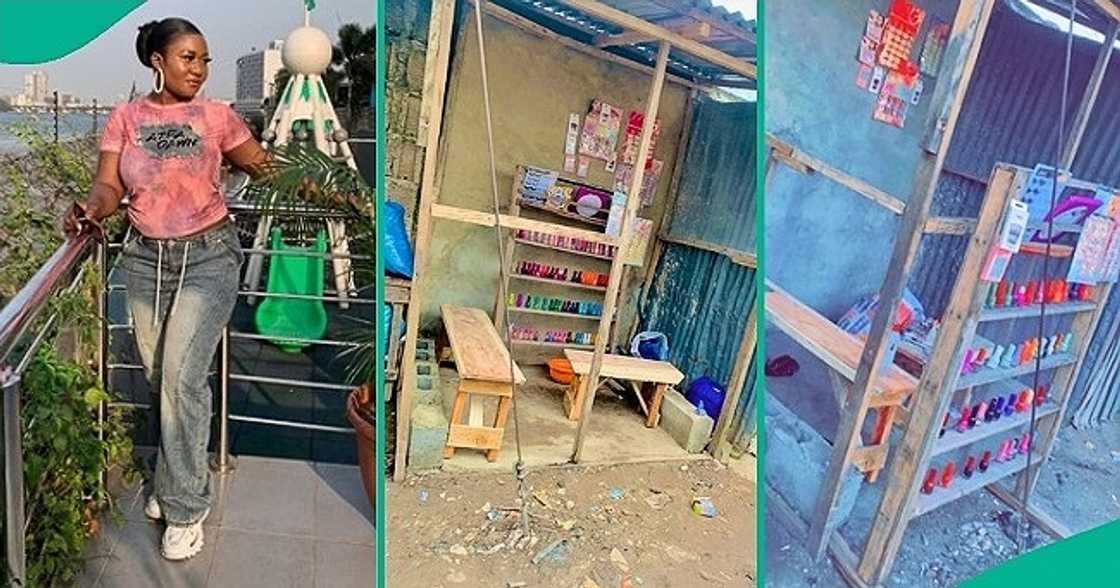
(107, 66)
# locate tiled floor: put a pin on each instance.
(274, 523)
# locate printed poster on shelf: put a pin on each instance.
(599, 138)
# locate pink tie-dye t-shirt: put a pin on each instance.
(171, 158)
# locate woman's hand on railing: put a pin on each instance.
(76, 216)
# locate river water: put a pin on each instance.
(69, 126)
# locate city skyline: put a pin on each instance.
(107, 67)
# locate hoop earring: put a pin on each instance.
(158, 86)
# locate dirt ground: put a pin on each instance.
(612, 526)
(1080, 487)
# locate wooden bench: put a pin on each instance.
(841, 352)
(483, 363)
(653, 377)
(397, 292)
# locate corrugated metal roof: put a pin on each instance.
(732, 33)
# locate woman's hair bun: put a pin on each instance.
(142, 38)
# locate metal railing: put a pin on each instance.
(16, 320)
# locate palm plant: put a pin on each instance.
(300, 176)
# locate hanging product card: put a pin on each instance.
(571, 141)
(584, 166)
(874, 30)
(1089, 258)
(1037, 191)
(890, 108)
(1075, 203)
(611, 164)
(599, 138)
(933, 48)
(916, 92)
(625, 173)
(867, 51)
(640, 237)
(1014, 226)
(633, 136)
(614, 219)
(996, 264)
(863, 76)
(878, 76)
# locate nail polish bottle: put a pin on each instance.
(1009, 408)
(997, 357)
(966, 416)
(993, 409)
(947, 474)
(973, 416)
(966, 365)
(985, 461)
(1040, 395)
(982, 412)
(969, 466)
(1009, 357)
(1025, 444)
(930, 481)
(1024, 400)
(1001, 293)
(944, 424)
(1032, 292)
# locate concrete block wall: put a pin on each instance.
(429, 423)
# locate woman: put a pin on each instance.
(165, 149)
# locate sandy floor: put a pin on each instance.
(608, 526)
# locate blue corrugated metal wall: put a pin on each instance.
(1010, 114)
(700, 299)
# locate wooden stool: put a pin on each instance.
(653, 377)
(483, 363)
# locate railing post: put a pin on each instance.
(102, 338)
(13, 480)
(223, 463)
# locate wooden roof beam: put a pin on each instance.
(1110, 8)
(699, 31)
(629, 22)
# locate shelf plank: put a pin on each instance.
(555, 313)
(962, 486)
(989, 375)
(1016, 312)
(1057, 250)
(551, 344)
(558, 282)
(562, 249)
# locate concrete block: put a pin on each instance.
(796, 459)
(428, 438)
(678, 417)
(427, 383)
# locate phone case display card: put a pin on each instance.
(1074, 202)
(536, 184)
(1090, 259)
(599, 139)
(633, 137)
(1112, 255)
(886, 69)
(933, 48)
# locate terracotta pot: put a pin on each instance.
(359, 411)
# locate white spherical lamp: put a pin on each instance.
(307, 51)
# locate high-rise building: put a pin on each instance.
(35, 86)
(256, 78)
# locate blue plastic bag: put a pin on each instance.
(650, 345)
(398, 251)
(705, 392)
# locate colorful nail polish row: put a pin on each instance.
(1015, 355)
(552, 336)
(569, 243)
(562, 274)
(993, 409)
(521, 300)
(1012, 294)
(1008, 451)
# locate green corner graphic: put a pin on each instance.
(33, 31)
(1087, 559)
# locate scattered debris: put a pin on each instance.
(424, 496)
(556, 551)
(617, 493)
(456, 577)
(619, 560)
(458, 549)
(703, 506)
(516, 584)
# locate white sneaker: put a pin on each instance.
(152, 509)
(181, 543)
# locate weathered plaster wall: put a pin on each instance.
(534, 84)
(826, 244)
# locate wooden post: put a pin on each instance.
(435, 85)
(935, 389)
(961, 52)
(633, 199)
(1085, 110)
(743, 360)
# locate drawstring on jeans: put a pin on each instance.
(159, 280)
